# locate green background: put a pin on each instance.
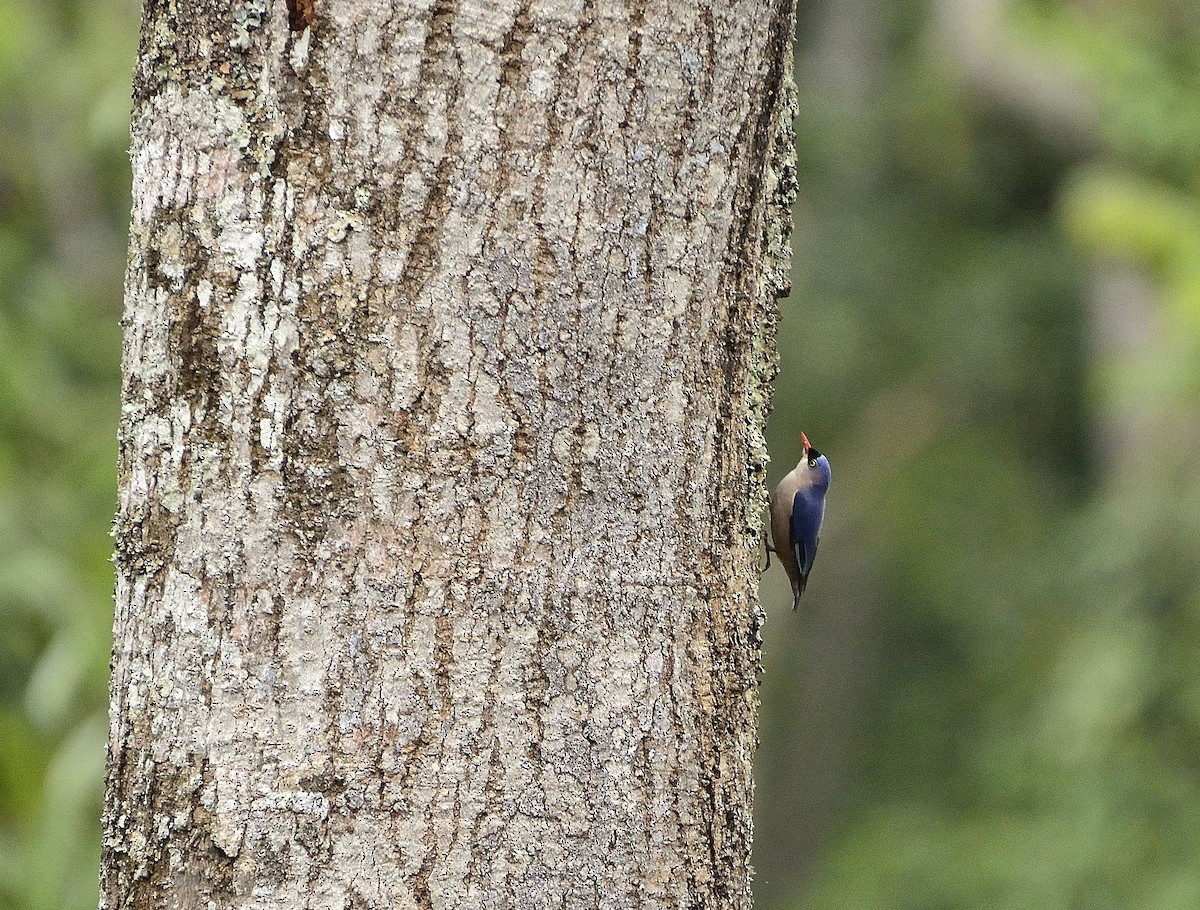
(991, 695)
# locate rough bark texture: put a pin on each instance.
(449, 331)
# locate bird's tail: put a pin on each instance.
(801, 583)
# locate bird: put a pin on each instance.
(797, 511)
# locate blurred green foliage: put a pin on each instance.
(64, 87)
(991, 697)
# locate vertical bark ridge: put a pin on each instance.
(448, 334)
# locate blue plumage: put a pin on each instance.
(808, 511)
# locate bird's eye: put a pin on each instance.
(812, 462)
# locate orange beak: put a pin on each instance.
(804, 442)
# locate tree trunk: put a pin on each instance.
(449, 333)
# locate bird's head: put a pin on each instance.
(815, 463)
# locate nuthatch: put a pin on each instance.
(797, 510)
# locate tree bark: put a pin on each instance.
(448, 339)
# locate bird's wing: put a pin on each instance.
(807, 513)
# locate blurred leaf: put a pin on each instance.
(1124, 214)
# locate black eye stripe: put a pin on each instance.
(813, 454)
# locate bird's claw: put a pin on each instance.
(770, 549)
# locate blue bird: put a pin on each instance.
(797, 511)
